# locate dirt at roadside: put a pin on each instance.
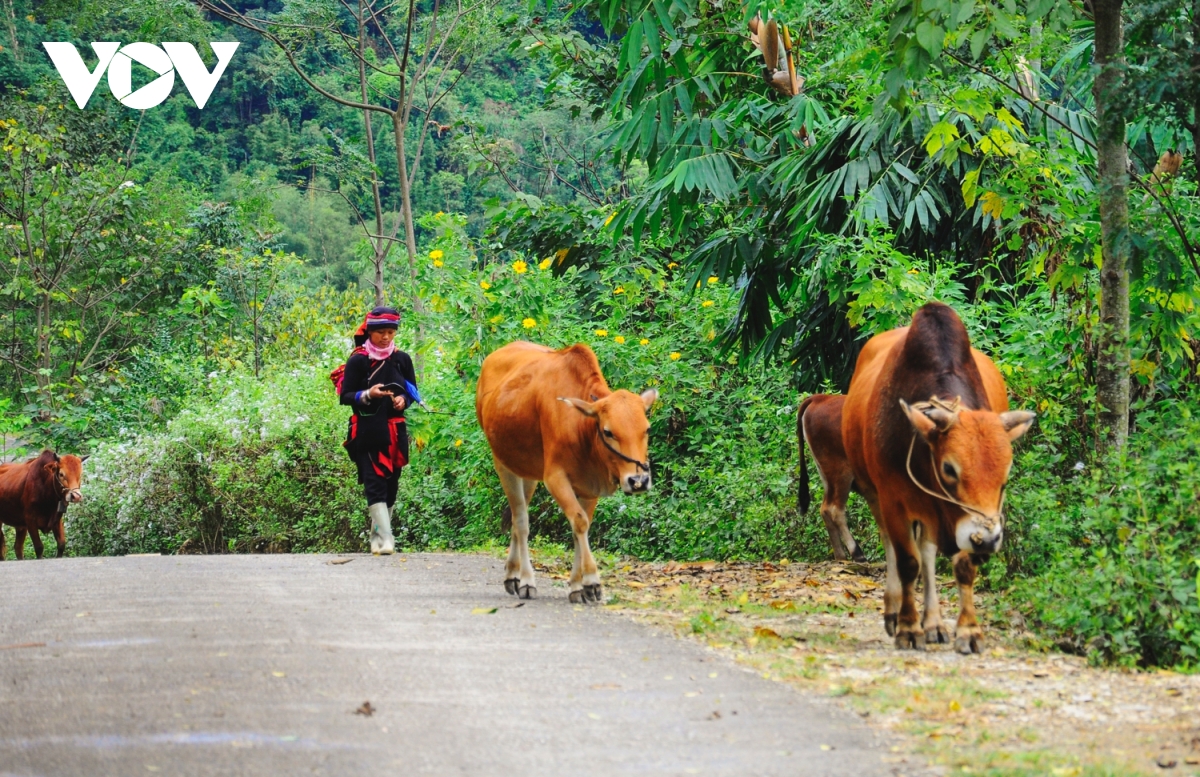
(1013, 710)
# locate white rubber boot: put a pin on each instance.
(381, 530)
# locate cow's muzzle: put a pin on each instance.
(73, 496)
(979, 534)
(636, 484)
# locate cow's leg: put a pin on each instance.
(518, 569)
(3, 544)
(585, 562)
(19, 544)
(833, 512)
(935, 630)
(38, 547)
(585, 579)
(968, 636)
(60, 538)
(908, 568)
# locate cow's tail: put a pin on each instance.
(804, 498)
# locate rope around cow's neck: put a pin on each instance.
(639, 464)
(944, 496)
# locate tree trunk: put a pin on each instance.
(1195, 84)
(1112, 364)
(380, 244)
(406, 214)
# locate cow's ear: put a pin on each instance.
(923, 424)
(649, 397)
(587, 408)
(51, 467)
(1017, 422)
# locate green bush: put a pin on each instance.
(1121, 579)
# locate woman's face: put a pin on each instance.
(382, 338)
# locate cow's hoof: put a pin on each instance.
(593, 594)
(937, 635)
(527, 592)
(889, 624)
(969, 642)
(858, 555)
(910, 638)
(512, 584)
(577, 597)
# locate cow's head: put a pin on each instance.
(971, 460)
(624, 433)
(67, 472)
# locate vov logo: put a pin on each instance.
(172, 58)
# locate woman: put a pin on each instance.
(378, 440)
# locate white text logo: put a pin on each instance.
(118, 60)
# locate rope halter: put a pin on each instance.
(953, 407)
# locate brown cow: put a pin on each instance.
(819, 422)
(550, 416)
(34, 496)
(928, 435)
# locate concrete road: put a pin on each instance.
(255, 665)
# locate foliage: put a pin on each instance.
(1123, 584)
(257, 464)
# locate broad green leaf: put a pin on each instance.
(979, 41)
(931, 36)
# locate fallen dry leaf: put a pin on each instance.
(484, 610)
(366, 709)
(341, 561)
(764, 633)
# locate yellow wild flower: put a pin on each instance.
(712, 279)
(485, 285)
(528, 323)
(602, 333)
(619, 290)
(438, 263)
(436, 254)
(618, 339)
(457, 443)
(643, 341)
(708, 303)
(519, 267)
(675, 356)
(544, 264)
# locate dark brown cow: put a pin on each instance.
(819, 422)
(550, 416)
(34, 496)
(928, 435)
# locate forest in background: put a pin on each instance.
(179, 282)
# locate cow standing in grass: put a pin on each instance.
(928, 435)
(34, 495)
(550, 416)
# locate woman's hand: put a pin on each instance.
(398, 402)
(377, 391)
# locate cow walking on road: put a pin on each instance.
(550, 416)
(928, 435)
(34, 496)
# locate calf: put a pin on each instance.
(34, 496)
(550, 416)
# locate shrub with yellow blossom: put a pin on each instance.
(519, 267)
